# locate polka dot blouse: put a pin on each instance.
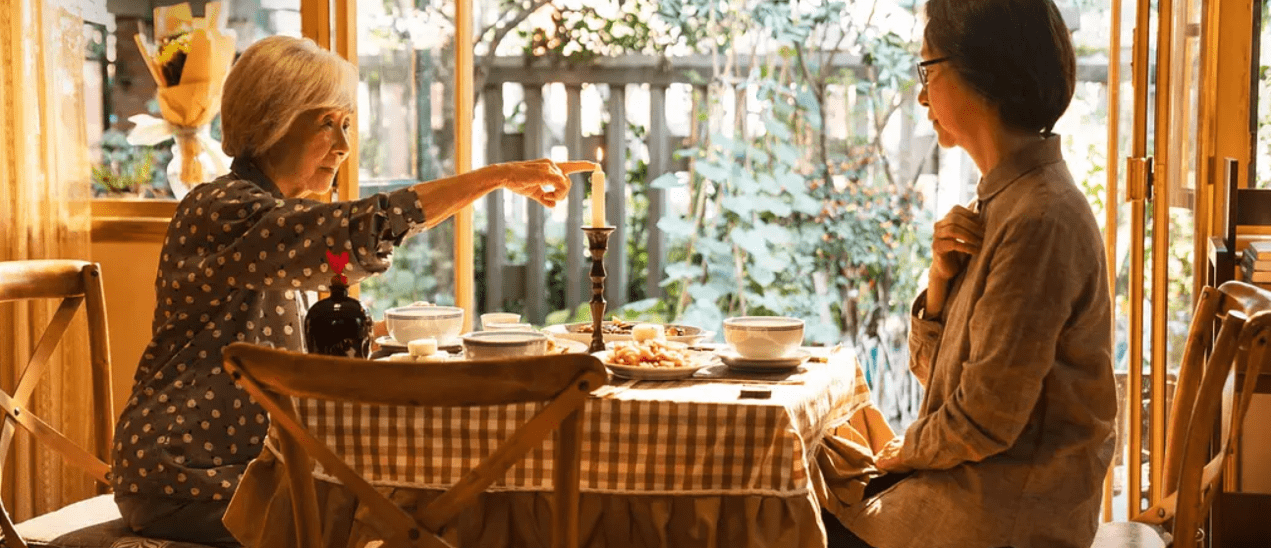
(235, 264)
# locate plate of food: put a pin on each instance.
(653, 360)
(565, 346)
(621, 330)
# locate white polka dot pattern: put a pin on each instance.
(188, 432)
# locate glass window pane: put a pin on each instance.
(406, 136)
(120, 86)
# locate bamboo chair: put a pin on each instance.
(274, 377)
(1241, 314)
(95, 521)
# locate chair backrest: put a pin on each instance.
(1240, 314)
(75, 283)
(273, 377)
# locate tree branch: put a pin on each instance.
(880, 123)
(807, 74)
(488, 62)
(931, 149)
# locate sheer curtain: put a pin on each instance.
(44, 214)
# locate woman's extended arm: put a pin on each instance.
(543, 181)
(237, 235)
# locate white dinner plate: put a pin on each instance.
(734, 360)
(652, 373)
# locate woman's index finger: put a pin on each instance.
(577, 166)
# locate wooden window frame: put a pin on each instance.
(333, 25)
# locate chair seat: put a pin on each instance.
(91, 523)
(1130, 534)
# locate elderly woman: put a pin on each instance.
(238, 258)
(1012, 338)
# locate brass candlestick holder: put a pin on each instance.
(597, 242)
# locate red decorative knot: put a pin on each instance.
(338, 264)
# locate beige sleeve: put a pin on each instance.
(924, 338)
(1028, 298)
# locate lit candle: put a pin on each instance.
(598, 191)
(598, 198)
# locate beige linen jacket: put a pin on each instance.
(1016, 427)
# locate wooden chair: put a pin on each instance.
(95, 521)
(274, 377)
(1241, 315)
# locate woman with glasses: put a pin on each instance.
(1012, 338)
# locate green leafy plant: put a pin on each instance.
(786, 220)
(783, 219)
(126, 169)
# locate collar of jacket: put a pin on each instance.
(1024, 160)
(246, 170)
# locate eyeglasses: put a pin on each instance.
(922, 68)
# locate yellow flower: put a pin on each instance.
(169, 49)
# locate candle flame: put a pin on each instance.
(600, 154)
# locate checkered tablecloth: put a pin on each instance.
(644, 437)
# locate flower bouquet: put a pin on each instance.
(188, 59)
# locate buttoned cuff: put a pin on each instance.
(924, 339)
(919, 326)
(404, 213)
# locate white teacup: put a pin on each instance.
(491, 318)
(764, 337)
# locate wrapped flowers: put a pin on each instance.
(188, 60)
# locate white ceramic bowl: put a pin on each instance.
(486, 345)
(407, 323)
(764, 337)
(492, 318)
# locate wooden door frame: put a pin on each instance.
(333, 25)
(1223, 81)
(465, 267)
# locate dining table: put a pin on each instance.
(723, 459)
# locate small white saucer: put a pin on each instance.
(734, 360)
(387, 342)
(439, 357)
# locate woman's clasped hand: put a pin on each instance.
(956, 237)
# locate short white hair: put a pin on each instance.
(272, 83)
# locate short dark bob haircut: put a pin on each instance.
(1015, 53)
